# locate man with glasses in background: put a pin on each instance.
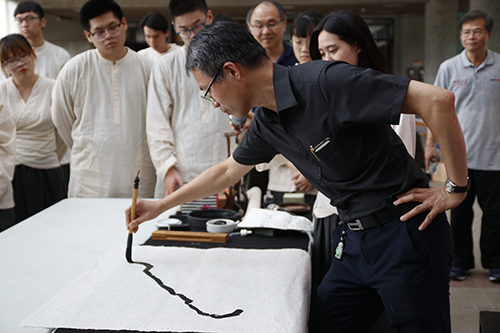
(30, 20)
(185, 133)
(267, 23)
(50, 58)
(99, 109)
(474, 77)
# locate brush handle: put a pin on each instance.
(132, 209)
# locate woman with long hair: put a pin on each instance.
(38, 181)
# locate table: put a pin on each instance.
(43, 254)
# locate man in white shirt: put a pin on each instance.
(156, 30)
(30, 19)
(99, 109)
(185, 133)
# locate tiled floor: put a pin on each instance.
(476, 293)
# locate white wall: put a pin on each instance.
(7, 24)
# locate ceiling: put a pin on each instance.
(239, 11)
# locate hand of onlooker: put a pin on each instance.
(173, 181)
(431, 153)
(301, 183)
(245, 126)
(434, 199)
(145, 210)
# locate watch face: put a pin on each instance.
(449, 187)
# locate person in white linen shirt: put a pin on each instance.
(185, 133)
(50, 58)
(156, 30)
(99, 109)
(38, 180)
(7, 163)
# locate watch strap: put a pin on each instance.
(451, 187)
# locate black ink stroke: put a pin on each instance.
(171, 291)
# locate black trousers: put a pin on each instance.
(485, 185)
(36, 189)
(7, 219)
(407, 268)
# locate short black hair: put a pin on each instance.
(279, 7)
(95, 8)
(29, 6)
(155, 21)
(221, 42)
(474, 15)
(305, 22)
(181, 7)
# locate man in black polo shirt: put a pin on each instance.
(332, 120)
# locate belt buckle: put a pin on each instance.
(355, 225)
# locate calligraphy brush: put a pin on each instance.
(128, 253)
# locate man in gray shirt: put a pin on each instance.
(474, 77)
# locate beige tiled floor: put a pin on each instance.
(476, 293)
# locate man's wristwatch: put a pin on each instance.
(451, 187)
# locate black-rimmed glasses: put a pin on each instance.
(186, 33)
(205, 96)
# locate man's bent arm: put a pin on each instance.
(211, 181)
(436, 107)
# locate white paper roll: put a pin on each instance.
(220, 225)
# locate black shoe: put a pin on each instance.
(459, 274)
(495, 275)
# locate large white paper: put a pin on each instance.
(271, 287)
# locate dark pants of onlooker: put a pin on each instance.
(7, 219)
(36, 189)
(409, 269)
(485, 185)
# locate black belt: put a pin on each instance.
(381, 217)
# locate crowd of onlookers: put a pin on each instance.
(83, 126)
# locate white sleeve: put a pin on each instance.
(159, 131)
(7, 152)
(407, 132)
(62, 109)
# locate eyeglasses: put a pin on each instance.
(27, 19)
(271, 24)
(13, 62)
(186, 33)
(476, 33)
(111, 31)
(205, 95)
(300, 43)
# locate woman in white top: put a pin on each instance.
(38, 181)
(7, 162)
